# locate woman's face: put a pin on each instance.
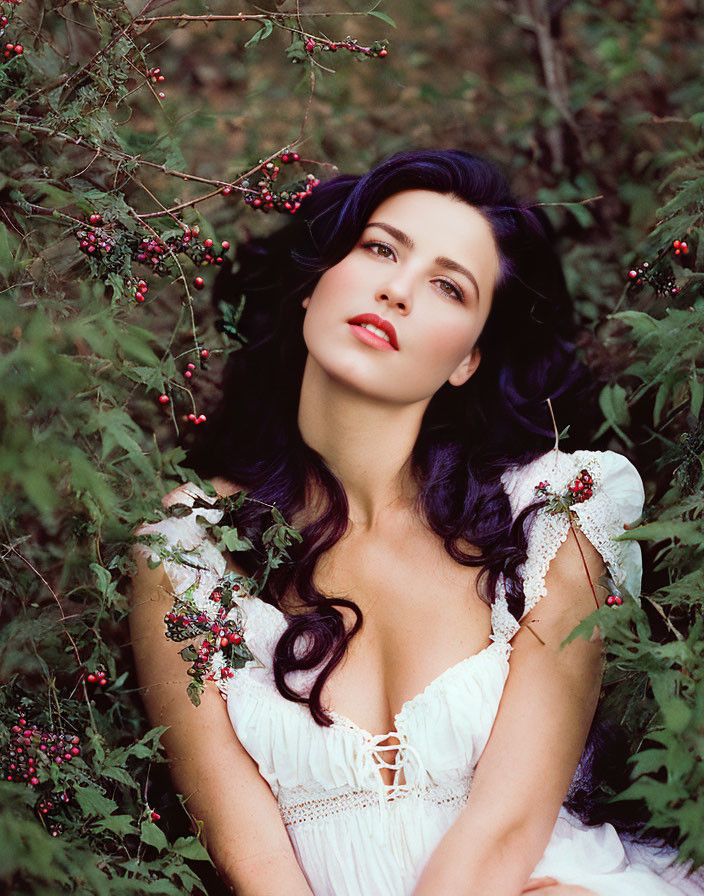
(426, 264)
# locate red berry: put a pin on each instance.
(204, 353)
(685, 248)
(90, 677)
(676, 244)
(235, 639)
(192, 417)
(103, 681)
(155, 816)
(34, 781)
(201, 418)
(188, 374)
(207, 243)
(226, 191)
(633, 274)
(191, 365)
(163, 399)
(19, 49)
(139, 296)
(225, 245)
(199, 283)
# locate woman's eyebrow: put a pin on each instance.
(444, 262)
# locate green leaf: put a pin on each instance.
(383, 16)
(92, 802)
(119, 774)
(231, 540)
(262, 34)
(118, 824)
(191, 848)
(152, 835)
(696, 390)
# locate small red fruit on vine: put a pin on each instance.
(205, 353)
(163, 399)
(199, 283)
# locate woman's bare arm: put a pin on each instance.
(242, 828)
(542, 724)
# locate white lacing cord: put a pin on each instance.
(371, 760)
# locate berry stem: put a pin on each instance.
(586, 568)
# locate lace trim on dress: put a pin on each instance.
(295, 810)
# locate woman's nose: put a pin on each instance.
(396, 291)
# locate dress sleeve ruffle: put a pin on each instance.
(191, 561)
(614, 505)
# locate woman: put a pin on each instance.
(405, 332)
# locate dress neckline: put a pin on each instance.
(498, 645)
(343, 722)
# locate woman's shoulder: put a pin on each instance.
(610, 475)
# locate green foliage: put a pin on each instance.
(611, 146)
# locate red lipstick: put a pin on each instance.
(376, 321)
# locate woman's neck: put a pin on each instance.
(366, 443)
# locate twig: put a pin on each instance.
(586, 568)
(11, 548)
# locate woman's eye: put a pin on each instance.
(449, 289)
(380, 249)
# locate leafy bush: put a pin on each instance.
(88, 447)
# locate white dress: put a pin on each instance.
(353, 834)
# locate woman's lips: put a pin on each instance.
(371, 338)
(380, 323)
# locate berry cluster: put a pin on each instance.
(378, 48)
(95, 242)
(662, 282)
(578, 491)
(154, 251)
(266, 198)
(614, 600)
(30, 748)
(658, 275)
(100, 677)
(141, 288)
(156, 77)
(581, 488)
(165, 400)
(221, 635)
(10, 49)
(286, 201)
(47, 806)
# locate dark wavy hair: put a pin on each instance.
(469, 434)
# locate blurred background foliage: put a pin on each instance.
(593, 109)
